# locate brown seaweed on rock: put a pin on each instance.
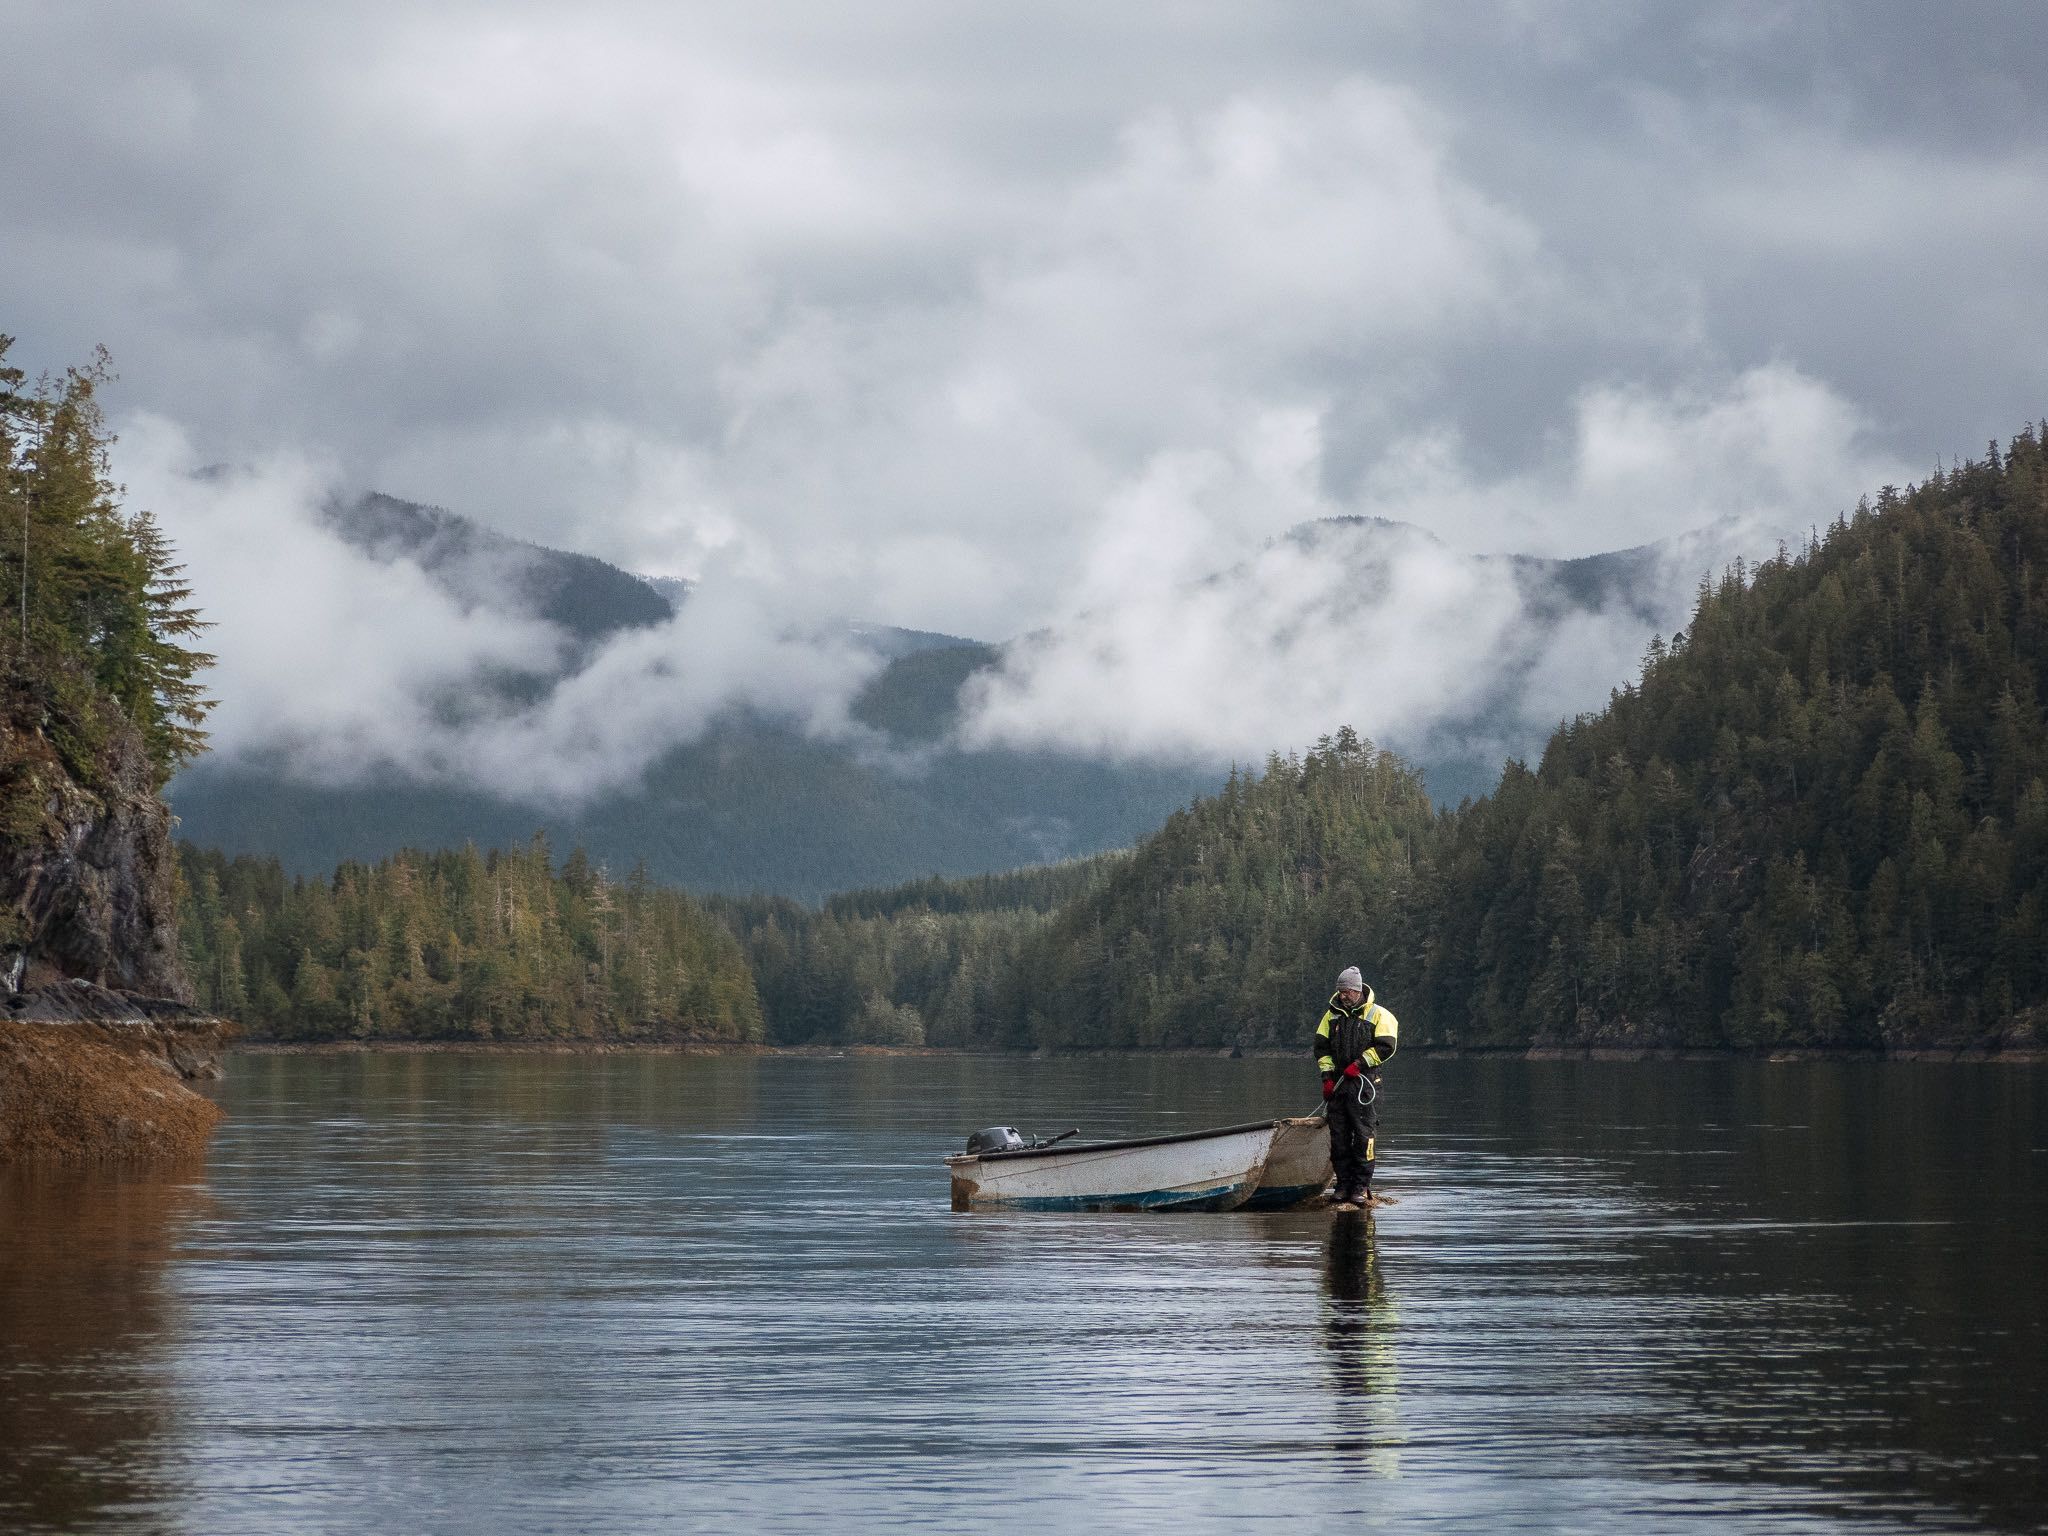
(91, 1075)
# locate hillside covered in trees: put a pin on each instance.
(463, 945)
(1821, 818)
(1219, 930)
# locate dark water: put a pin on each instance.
(524, 1294)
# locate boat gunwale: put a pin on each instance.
(1128, 1144)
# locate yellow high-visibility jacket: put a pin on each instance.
(1368, 1034)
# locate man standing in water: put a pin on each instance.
(1355, 1036)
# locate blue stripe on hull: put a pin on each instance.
(1280, 1199)
(1148, 1200)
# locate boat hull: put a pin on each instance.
(1207, 1171)
(1297, 1167)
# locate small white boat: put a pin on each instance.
(1297, 1167)
(1215, 1170)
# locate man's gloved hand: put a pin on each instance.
(1351, 1069)
(1329, 1086)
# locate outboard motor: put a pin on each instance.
(997, 1138)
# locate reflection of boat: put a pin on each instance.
(1200, 1171)
(1298, 1166)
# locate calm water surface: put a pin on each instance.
(523, 1294)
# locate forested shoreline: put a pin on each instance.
(461, 945)
(1818, 820)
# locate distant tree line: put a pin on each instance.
(1038, 888)
(460, 945)
(932, 962)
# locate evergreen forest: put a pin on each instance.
(460, 946)
(932, 962)
(1820, 818)
(97, 648)
(1218, 932)
(100, 700)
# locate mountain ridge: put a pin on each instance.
(755, 804)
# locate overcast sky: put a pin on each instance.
(950, 315)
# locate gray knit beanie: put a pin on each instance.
(1348, 979)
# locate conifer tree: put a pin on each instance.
(99, 615)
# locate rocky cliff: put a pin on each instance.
(86, 875)
(97, 1044)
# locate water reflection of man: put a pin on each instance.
(1358, 1330)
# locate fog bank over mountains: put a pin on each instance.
(383, 643)
(1457, 661)
(392, 673)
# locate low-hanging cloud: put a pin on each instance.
(1382, 626)
(340, 666)
(1434, 653)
